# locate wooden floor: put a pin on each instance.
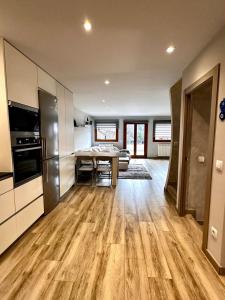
(103, 243)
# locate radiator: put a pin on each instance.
(164, 149)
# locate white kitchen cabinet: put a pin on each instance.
(67, 173)
(6, 185)
(60, 93)
(46, 82)
(28, 192)
(27, 216)
(7, 206)
(69, 122)
(8, 233)
(21, 74)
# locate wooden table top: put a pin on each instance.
(96, 154)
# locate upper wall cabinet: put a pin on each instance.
(46, 82)
(60, 93)
(21, 76)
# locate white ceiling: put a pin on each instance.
(127, 46)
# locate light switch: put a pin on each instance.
(219, 165)
(201, 159)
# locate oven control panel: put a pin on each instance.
(27, 141)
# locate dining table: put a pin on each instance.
(114, 156)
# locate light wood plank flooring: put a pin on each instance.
(104, 243)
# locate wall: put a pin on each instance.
(175, 103)
(213, 54)
(152, 146)
(82, 135)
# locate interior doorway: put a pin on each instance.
(136, 138)
(199, 129)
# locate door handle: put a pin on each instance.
(44, 148)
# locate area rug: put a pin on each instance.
(135, 171)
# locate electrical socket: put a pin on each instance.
(214, 232)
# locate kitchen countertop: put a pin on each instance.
(5, 175)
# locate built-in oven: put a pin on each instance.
(27, 163)
(25, 140)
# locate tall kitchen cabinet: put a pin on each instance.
(66, 139)
(21, 74)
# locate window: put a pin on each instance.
(162, 131)
(106, 131)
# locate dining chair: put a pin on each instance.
(103, 169)
(84, 165)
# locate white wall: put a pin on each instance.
(212, 55)
(82, 135)
(152, 146)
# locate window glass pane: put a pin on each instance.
(163, 131)
(140, 139)
(130, 138)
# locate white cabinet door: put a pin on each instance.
(26, 193)
(67, 173)
(7, 206)
(6, 185)
(21, 74)
(60, 93)
(46, 82)
(69, 121)
(71, 171)
(8, 233)
(26, 217)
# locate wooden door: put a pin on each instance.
(136, 138)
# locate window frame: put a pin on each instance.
(107, 140)
(155, 122)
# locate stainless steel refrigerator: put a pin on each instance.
(50, 148)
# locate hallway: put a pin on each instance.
(101, 243)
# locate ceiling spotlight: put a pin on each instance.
(107, 82)
(170, 49)
(87, 25)
(103, 100)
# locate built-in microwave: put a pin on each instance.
(23, 118)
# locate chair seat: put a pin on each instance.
(104, 168)
(86, 168)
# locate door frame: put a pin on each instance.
(135, 122)
(214, 76)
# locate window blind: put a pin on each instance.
(106, 124)
(162, 131)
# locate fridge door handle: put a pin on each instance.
(44, 148)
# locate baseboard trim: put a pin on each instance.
(191, 212)
(220, 270)
(159, 157)
(67, 193)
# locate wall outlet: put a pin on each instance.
(219, 165)
(214, 232)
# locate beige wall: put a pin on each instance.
(213, 54)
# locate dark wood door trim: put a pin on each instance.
(135, 136)
(214, 76)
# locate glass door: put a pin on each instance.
(135, 138)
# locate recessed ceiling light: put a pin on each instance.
(87, 25)
(107, 82)
(170, 49)
(103, 100)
